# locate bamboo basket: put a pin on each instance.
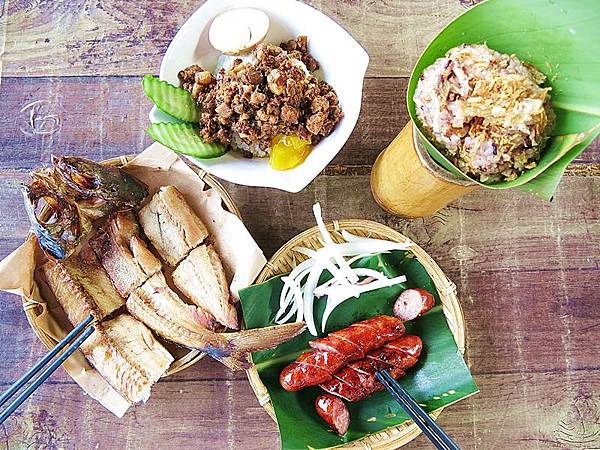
(406, 181)
(285, 260)
(187, 357)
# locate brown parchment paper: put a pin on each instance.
(156, 166)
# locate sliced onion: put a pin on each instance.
(320, 291)
(288, 316)
(287, 290)
(365, 272)
(294, 274)
(325, 258)
(361, 256)
(332, 303)
(337, 298)
(285, 300)
(308, 297)
(346, 281)
(339, 259)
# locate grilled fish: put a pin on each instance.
(82, 287)
(76, 191)
(98, 189)
(127, 355)
(123, 253)
(171, 225)
(156, 292)
(163, 311)
(200, 276)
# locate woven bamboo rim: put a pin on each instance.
(33, 309)
(285, 259)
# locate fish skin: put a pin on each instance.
(201, 278)
(126, 354)
(162, 310)
(171, 225)
(98, 189)
(123, 253)
(82, 287)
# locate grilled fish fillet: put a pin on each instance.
(163, 311)
(167, 303)
(171, 225)
(200, 276)
(124, 254)
(82, 287)
(127, 355)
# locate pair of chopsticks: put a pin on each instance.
(432, 430)
(75, 338)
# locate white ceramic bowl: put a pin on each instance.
(343, 65)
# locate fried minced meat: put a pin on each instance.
(254, 101)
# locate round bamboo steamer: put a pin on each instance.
(33, 309)
(285, 260)
(406, 181)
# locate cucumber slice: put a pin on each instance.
(184, 138)
(170, 99)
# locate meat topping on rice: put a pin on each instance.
(252, 102)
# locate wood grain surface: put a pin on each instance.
(80, 37)
(527, 271)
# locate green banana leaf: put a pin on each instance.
(440, 378)
(562, 39)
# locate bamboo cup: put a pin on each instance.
(407, 182)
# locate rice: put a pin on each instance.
(486, 111)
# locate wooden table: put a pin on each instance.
(527, 271)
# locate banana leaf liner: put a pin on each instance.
(561, 38)
(439, 379)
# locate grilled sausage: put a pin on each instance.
(334, 412)
(413, 303)
(334, 351)
(310, 368)
(357, 380)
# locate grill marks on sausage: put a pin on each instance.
(357, 380)
(339, 348)
(333, 343)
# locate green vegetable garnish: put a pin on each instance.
(184, 138)
(170, 99)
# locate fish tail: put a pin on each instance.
(262, 338)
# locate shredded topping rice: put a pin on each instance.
(486, 111)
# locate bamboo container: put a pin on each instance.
(407, 182)
(285, 260)
(183, 357)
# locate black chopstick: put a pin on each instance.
(43, 361)
(49, 370)
(430, 428)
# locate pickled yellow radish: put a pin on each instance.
(288, 152)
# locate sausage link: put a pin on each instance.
(334, 351)
(333, 411)
(357, 380)
(413, 303)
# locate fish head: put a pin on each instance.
(56, 223)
